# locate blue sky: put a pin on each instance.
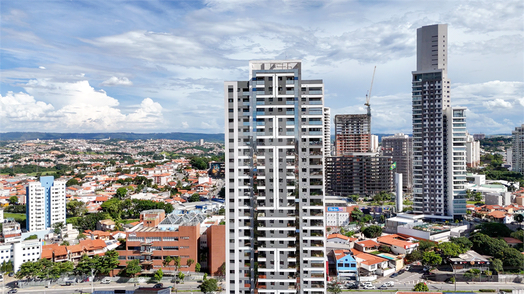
(159, 66)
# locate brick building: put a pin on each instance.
(216, 244)
(159, 236)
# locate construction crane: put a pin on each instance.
(368, 97)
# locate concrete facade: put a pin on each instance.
(274, 180)
(400, 148)
(517, 149)
(45, 203)
(439, 131)
(216, 244)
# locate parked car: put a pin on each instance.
(67, 284)
(383, 287)
(394, 275)
(407, 267)
(369, 287)
(12, 291)
(158, 285)
(105, 281)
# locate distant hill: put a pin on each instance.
(119, 136)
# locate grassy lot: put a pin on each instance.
(17, 216)
(472, 202)
(128, 221)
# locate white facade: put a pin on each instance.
(46, 204)
(327, 131)
(472, 151)
(456, 160)
(517, 147)
(20, 252)
(274, 181)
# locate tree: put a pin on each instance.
(133, 267)
(176, 262)
(57, 228)
(65, 243)
(6, 267)
(194, 198)
(483, 244)
(32, 237)
(431, 258)
(108, 262)
(425, 245)
(167, 260)
(496, 264)
(222, 211)
(222, 270)
(121, 193)
(356, 214)
(72, 182)
(190, 262)
(472, 274)
(415, 255)
(334, 287)
(81, 236)
(494, 229)
(197, 267)
(449, 249)
(13, 200)
(158, 275)
(76, 208)
(367, 218)
(208, 286)
(511, 257)
(382, 218)
(372, 231)
(518, 217)
(181, 276)
(84, 265)
(421, 287)
(463, 242)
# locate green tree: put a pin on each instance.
(372, 231)
(463, 242)
(158, 275)
(190, 262)
(81, 236)
(197, 267)
(486, 245)
(425, 245)
(133, 267)
(32, 237)
(176, 262)
(84, 265)
(382, 218)
(511, 257)
(421, 287)
(449, 249)
(494, 229)
(356, 214)
(121, 193)
(181, 276)
(222, 270)
(497, 265)
(6, 267)
(113, 206)
(108, 262)
(222, 211)
(72, 182)
(194, 198)
(65, 243)
(13, 200)
(28, 270)
(57, 228)
(431, 258)
(208, 286)
(367, 218)
(472, 274)
(334, 287)
(415, 255)
(76, 208)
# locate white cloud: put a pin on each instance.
(185, 125)
(497, 103)
(85, 110)
(114, 81)
(41, 67)
(19, 108)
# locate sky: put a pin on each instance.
(159, 66)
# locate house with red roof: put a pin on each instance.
(398, 244)
(366, 245)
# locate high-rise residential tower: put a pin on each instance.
(274, 181)
(45, 203)
(439, 131)
(517, 149)
(400, 148)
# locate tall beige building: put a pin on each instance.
(517, 149)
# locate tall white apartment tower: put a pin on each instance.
(45, 203)
(517, 150)
(274, 181)
(439, 131)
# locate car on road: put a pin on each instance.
(382, 287)
(407, 267)
(12, 291)
(105, 281)
(158, 285)
(67, 284)
(389, 284)
(394, 275)
(369, 287)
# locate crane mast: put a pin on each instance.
(368, 98)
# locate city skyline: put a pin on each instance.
(159, 66)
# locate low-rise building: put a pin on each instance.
(366, 246)
(398, 244)
(345, 264)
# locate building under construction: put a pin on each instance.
(400, 148)
(363, 174)
(352, 133)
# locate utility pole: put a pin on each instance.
(92, 279)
